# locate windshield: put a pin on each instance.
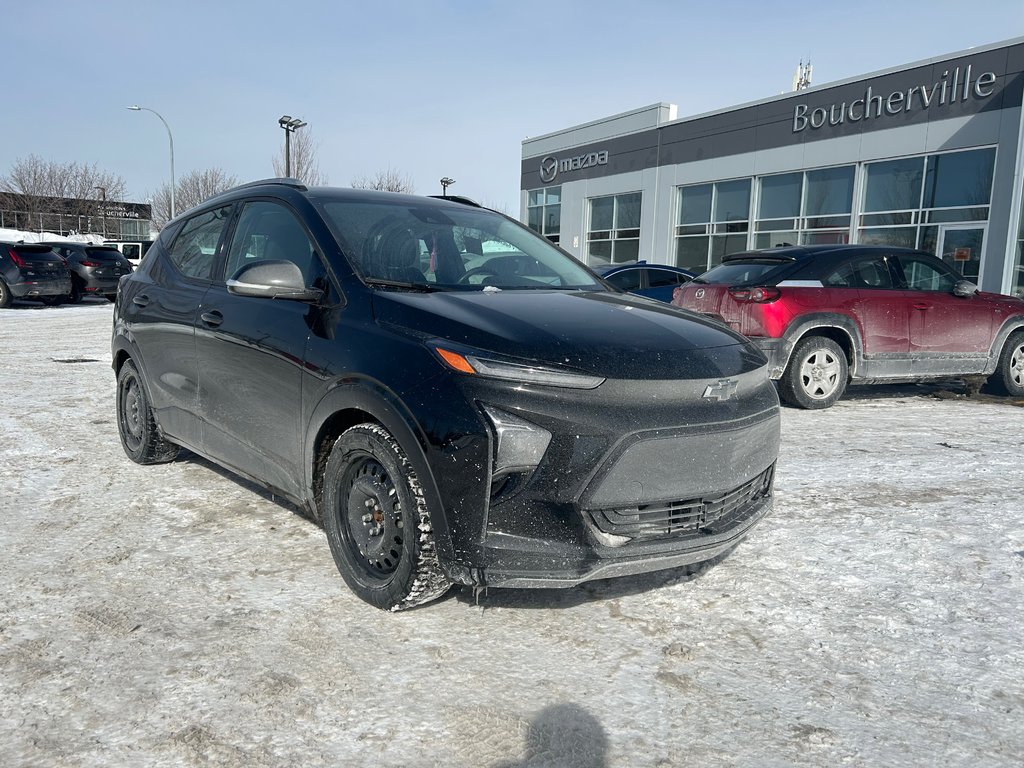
(418, 244)
(738, 272)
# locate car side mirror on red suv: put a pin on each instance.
(965, 289)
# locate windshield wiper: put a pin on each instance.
(384, 282)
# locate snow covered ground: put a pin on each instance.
(176, 615)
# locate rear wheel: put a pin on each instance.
(816, 375)
(5, 295)
(76, 291)
(140, 436)
(377, 521)
(1009, 376)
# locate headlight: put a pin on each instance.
(524, 373)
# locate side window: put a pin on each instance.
(195, 247)
(627, 280)
(268, 231)
(131, 251)
(923, 275)
(865, 272)
(658, 278)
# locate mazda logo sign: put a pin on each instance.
(699, 294)
(548, 169)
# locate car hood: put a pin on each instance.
(602, 333)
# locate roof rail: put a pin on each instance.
(286, 181)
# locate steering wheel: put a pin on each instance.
(484, 269)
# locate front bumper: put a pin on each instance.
(777, 351)
(639, 476)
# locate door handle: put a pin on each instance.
(922, 305)
(141, 300)
(212, 319)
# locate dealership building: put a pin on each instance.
(929, 155)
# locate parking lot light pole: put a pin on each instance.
(170, 138)
(446, 182)
(290, 125)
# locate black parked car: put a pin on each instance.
(486, 426)
(95, 269)
(30, 271)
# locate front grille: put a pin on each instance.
(702, 516)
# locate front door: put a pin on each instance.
(960, 246)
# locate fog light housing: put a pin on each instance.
(519, 445)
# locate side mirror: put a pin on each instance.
(964, 289)
(275, 279)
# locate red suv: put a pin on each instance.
(828, 315)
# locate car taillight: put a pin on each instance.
(86, 263)
(15, 257)
(758, 295)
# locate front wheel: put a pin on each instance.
(140, 436)
(377, 521)
(1009, 376)
(816, 375)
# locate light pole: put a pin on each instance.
(290, 125)
(137, 108)
(103, 210)
(446, 182)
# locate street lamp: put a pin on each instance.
(445, 183)
(290, 125)
(137, 108)
(103, 209)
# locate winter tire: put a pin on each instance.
(5, 295)
(76, 291)
(140, 437)
(1009, 376)
(377, 521)
(816, 375)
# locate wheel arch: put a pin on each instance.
(839, 328)
(361, 401)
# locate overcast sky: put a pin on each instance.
(426, 88)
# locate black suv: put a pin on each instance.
(31, 271)
(508, 423)
(95, 269)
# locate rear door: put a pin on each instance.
(867, 288)
(160, 309)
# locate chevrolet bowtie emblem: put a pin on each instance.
(722, 390)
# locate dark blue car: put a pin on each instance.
(656, 281)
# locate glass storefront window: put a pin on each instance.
(902, 237)
(695, 204)
(732, 202)
(780, 196)
(894, 185)
(959, 179)
(544, 211)
(829, 191)
(614, 231)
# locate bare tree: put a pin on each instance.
(44, 190)
(303, 156)
(390, 180)
(192, 189)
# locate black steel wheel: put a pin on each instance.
(377, 521)
(140, 437)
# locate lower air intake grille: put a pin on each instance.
(709, 515)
